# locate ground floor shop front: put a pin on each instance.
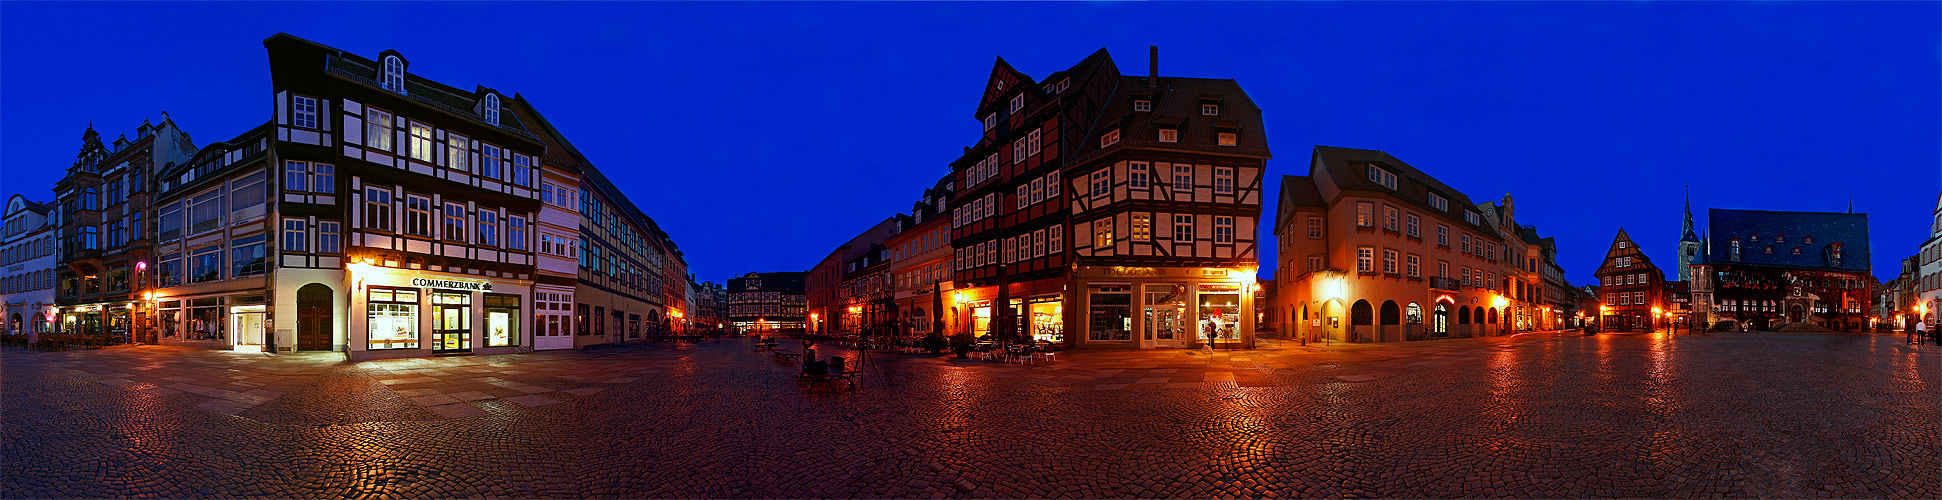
(1115, 307)
(398, 313)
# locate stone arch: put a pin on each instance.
(1361, 321)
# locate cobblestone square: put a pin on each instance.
(1534, 415)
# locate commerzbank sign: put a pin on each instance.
(482, 286)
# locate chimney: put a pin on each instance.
(1153, 66)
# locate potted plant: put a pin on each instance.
(961, 344)
(934, 342)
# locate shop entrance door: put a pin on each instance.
(452, 322)
(1163, 327)
(248, 328)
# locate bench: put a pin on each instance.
(785, 355)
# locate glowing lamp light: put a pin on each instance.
(141, 265)
(1335, 288)
(1498, 301)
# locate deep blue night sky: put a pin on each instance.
(761, 135)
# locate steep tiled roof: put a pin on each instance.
(1345, 167)
(1299, 191)
(1176, 101)
(418, 89)
(1826, 228)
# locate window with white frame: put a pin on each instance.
(1442, 269)
(1383, 177)
(1051, 185)
(296, 176)
(421, 142)
(1227, 139)
(377, 128)
(1018, 151)
(522, 170)
(1024, 196)
(394, 74)
(990, 121)
(1365, 214)
(1210, 109)
(1412, 225)
(303, 111)
(1439, 203)
(1365, 260)
(296, 235)
(1142, 227)
(1389, 217)
(1136, 174)
(1169, 135)
(489, 161)
(1183, 228)
(454, 222)
(1054, 239)
(1183, 178)
(1111, 137)
(491, 108)
(1103, 232)
(418, 215)
(1389, 261)
(1314, 227)
(1223, 229)
(327, 234)
(377, 208)
(1223, 180)
(1471, 217)
(1142, 105)
(1314, 263)
(1466, 245)
(488, 228)
(1038, 190)
(458, 152)
(1413, 266)
(1017, 103)
(1032, 142)
(1102, 182)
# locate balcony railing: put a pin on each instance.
(1445, 283)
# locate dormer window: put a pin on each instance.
(1169, 135)
(1383, 177)
(1733, 249)
(1062, 84)
(1439, 203)
(1017, 103)
(1142, 105)
(1808, 239)
(1210, 109)
(1227, 139)
(1471, 217)
(394, 74)
(1769, 249)
(1780, 238)
(1753, 237)
(1109, 138)
(1796, 250)
(492, 109)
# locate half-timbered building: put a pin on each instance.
(1131, 199)
(1631, 288)
(1784, 270)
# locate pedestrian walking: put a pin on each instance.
(1921, 330)
(1913, 336)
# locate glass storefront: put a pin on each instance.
(451, 322)
(502, 320)
(1047, 319)
(206, 320)
(1164, 314)
(393, 318)
(981, 319)
(1220, 311)
(1111, 318)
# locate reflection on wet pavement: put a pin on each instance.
(1535, 415)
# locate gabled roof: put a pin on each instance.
(356, 68)
(1345, 167)
(1631, 249)
(1176, 103)
(19, 203)
(1003, 81)
(1827, 228)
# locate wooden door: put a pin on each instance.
(314, 321)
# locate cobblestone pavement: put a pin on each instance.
(1534, 415)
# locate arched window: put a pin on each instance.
(90, 199)
(491, 109)
(394, 74)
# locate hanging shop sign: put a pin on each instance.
(447, 284)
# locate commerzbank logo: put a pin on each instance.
(483, 286)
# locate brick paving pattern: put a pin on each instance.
(1535, 415)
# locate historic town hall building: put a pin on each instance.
(1778, 270)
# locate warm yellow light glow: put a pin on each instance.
(1498, 301)
(150, 296)
(1656, 311)
(1335, 288)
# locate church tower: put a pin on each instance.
(1688, 243)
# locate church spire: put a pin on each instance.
(1686, 227)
